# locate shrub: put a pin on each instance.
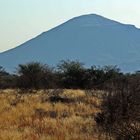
(71, 74)
(34, 76)
(121, 109)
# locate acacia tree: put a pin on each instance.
(71, 74)
(32, 75)
(97, 77)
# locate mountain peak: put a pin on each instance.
(91, 39)
(93, 20)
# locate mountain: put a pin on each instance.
(91, 39)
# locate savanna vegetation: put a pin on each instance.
(69, 102)
(67, 74)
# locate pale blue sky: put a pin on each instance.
(21, 20)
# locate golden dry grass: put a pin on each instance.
(33, 117)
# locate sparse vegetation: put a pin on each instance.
(69, 102)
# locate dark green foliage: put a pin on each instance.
(33, 75)
(67, 74)
(71, 74)
(98, 77)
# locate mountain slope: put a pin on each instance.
(91, 39)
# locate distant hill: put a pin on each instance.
(91, 39)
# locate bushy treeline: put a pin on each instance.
(67, 74)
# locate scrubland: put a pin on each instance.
(49, 115)
(52, 112)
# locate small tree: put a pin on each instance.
(32, 75)
(71, 74)
(97, 77)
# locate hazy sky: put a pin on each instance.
(21, 20)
